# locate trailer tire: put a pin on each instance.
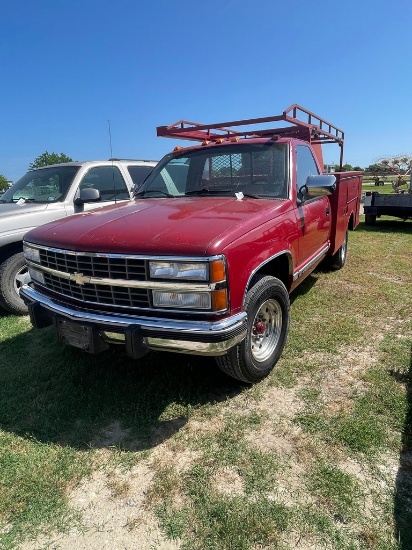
(267, 305)
(13, 273)
(370, 219)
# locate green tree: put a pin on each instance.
(49, 158)
(347, 168)
(373, 168)
(4, 184)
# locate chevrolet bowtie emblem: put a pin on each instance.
(79, 279)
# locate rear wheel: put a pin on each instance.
(267, 305)
(338, 260)
(13, 274)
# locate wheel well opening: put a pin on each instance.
(278, 267)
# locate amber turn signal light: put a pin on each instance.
(219, 300)
(217, 271)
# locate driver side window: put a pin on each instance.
(305, 165)
(108, 180)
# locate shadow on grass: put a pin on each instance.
(393, 225)
(57, 394)
(306, 285)
(403, 495)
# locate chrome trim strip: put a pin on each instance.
(122, 321)
(313, 261)
(81, 279)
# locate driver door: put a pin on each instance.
(313, 215)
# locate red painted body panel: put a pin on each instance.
(345, 205)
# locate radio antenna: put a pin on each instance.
(111, 158)
(110, 140)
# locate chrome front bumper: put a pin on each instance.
(138, 333)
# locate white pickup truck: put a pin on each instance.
(46, 194)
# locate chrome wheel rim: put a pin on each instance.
(22, 277)
(266, 329)
(343, 250)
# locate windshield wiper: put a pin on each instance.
(143, 193)
(228, 192)
(251, 196)
(207, 191)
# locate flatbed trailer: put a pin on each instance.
(377, 204)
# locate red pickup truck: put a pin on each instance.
(203, 260)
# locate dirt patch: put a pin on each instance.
(228, 482)
(111, 520)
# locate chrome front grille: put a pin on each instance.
(101, 266)
(111, 267)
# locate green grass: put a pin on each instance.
(369, 184)
(382, 189)
(319, 452)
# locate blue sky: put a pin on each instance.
(70, 67)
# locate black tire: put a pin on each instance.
(338, 260)
(13, 274)
(370, 219)
(268, 307)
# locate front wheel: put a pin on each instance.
(13, 274)
(268, 308)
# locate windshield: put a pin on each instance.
(256, 170)
(42, 185)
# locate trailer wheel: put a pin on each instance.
(13, 274)
(267, 305)
(370, 219)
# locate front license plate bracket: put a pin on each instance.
(79, 335)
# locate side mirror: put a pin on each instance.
(87, 194)
(318, 186)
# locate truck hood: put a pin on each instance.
(178, 226)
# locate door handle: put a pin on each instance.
(327, 211)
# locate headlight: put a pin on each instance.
(210, 293)
(191, 300)
(31, 253)
(195, 271)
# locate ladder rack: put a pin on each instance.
(304, 125)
